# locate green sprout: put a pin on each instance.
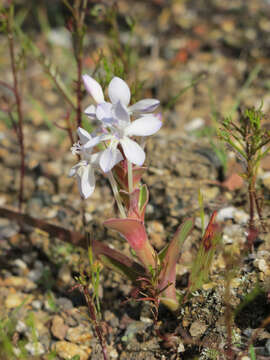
(251, 143)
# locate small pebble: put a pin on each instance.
(231, 212)
(67, 350)
(267, 346)
(14, 300)
(35, 274)
(59, 328)
(64, 303)
(197, 328)
(180, 348)
(64, 274)
(195, 124)
(79, 334)
(21, 327)
(113, 354)
(19, 283)
(37, 304)
(20, 264)
(35, 348)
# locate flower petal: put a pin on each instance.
(144, 126)
(104, 110)
(72, 171)
(134, 153)
(96, 140)
(104, 114)
(121, 112)
(83, 135)
(93, 88)
(109, 159)
(145, 105)
(118, 90)
(94, 159)
(90, 111)
(86, 181)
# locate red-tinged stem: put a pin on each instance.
(19, 106)
(3, 83)
(98, 328)
(79, 14)
(79, 91)
(228, 320)
(259, 211)
(92, 312)
(252, 228)
(69, 128)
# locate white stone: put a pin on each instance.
(231, 212)
(114, 354)
(21, 264)
(180, 348)
(35, 348)
(226, 213)
(21, 327)
(195, 124)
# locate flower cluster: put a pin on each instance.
(115, 131)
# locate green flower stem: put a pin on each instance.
(130, 177)
(117, 195)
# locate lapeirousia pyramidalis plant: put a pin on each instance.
(114, 150)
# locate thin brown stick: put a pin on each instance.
(74, 238)
(3, 83)
(18, 104)
(13, 123)
(259, 211)
(228, 319)
(79, 91)
(79, 14)
(97, 326)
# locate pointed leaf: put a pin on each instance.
(121, 175)
(143, 200)
(132, 229)
(180, 236)
(170, 303)
(134, 232)
(168, 273)
(201, 265)
(129, 272)
(133, 211)
(163, 252)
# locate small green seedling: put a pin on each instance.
(251, 142)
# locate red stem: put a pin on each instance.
(79, 90)
(19, 108)
(98, 328)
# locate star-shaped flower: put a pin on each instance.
(120, 131)
(118, 90)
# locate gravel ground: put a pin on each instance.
(176, 42)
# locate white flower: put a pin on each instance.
(85, 174)
(120, 131)
(118, 90)
(115, 121)
(85, 169)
